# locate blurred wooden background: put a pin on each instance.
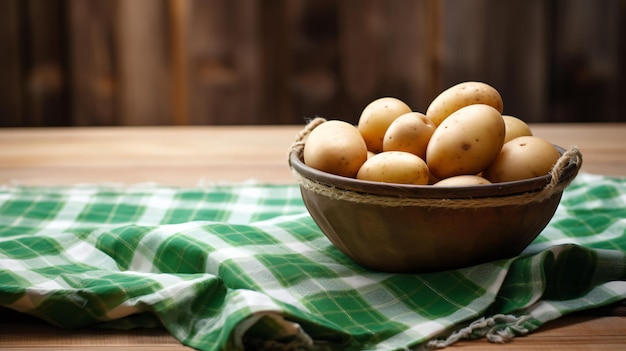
(162, 62)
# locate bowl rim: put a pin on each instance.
(501, 189)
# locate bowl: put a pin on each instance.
(422, 228)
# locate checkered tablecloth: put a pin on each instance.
(244, 266)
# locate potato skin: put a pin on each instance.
(462, 180)
(522, 158)
(410, 132)
(461, 95)
(395, 167)
(515, 127)
(466, 142)
(335, 147)
(376, 118)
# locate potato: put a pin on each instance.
(376, 118)
(461, 95)
(395, 167)
(410, 133)
(335, 147)
(515, 127)
(466, 142)
(522, 158)
(462, 180)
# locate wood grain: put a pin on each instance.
(35, 335)
(577, 333)
(390, 49)
(44, 64)
(224, 62)
(225, 78)
(94, 79)
(175, 156)
(187, 156)
(144, 66)
(10, 65)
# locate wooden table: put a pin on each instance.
(188, 156)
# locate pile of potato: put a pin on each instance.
(462, 139)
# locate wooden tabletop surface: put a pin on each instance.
(189, 156)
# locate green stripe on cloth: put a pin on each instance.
(244, 265)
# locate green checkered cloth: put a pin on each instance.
(244, 266)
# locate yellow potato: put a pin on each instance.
(376, 118)
(515, 127)
(522, 158)
(461, 95)
(466, 142)
(462, 180)
(395, 167)
(335, 147)
(409, 132)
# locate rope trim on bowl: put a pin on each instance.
(555, 186)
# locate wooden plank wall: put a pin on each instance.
(162, 62)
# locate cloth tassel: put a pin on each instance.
(498, 329)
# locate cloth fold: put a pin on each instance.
(243, 266)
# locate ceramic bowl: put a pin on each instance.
(423, 228)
